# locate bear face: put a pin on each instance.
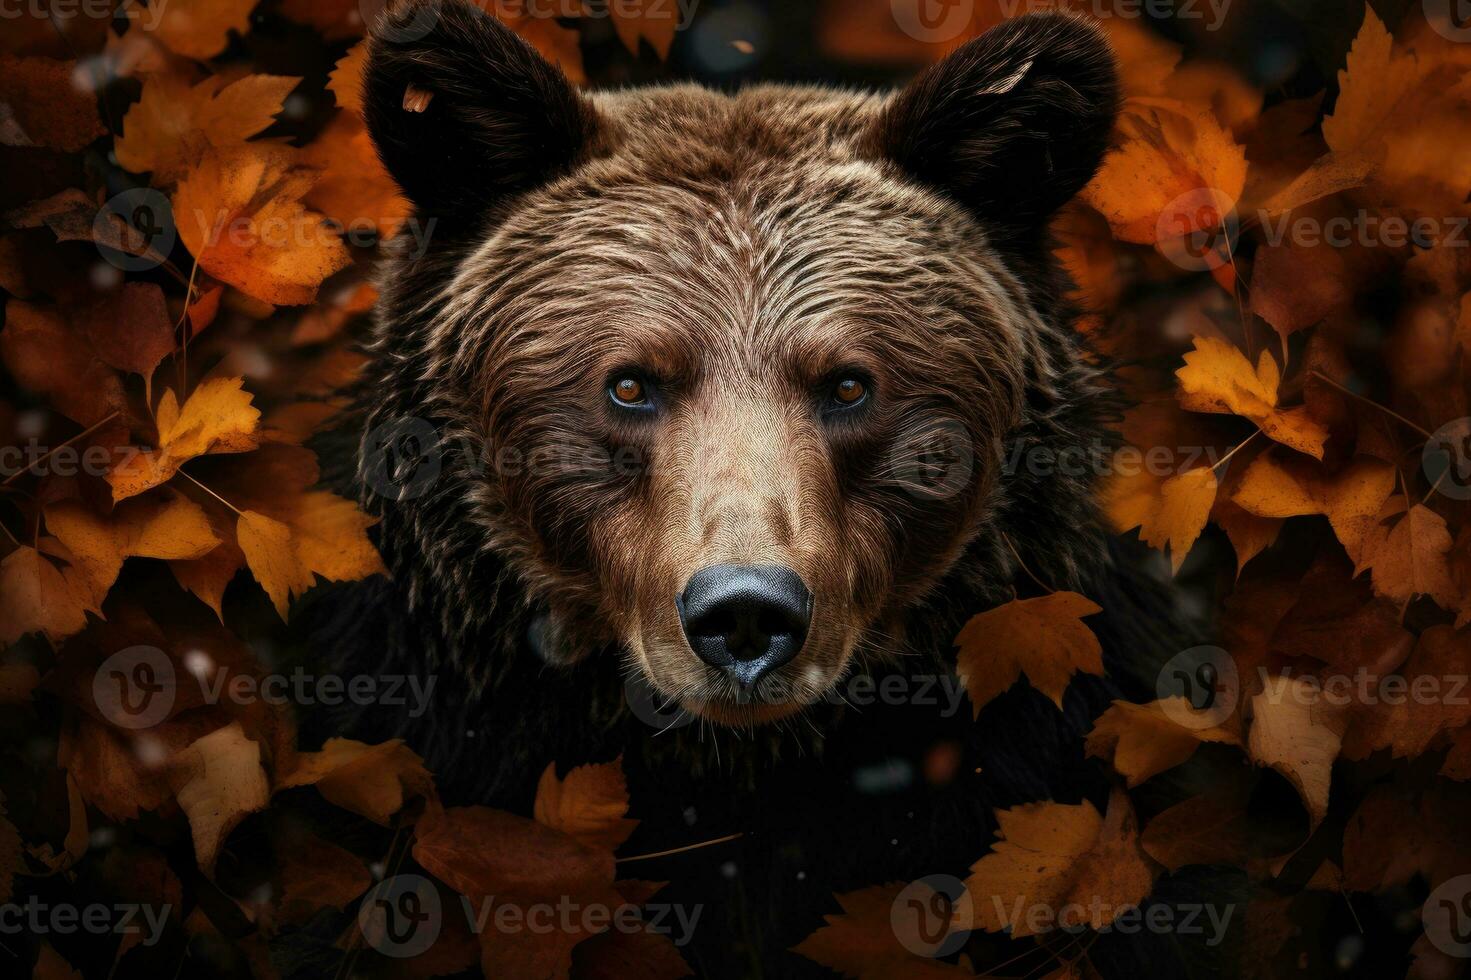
(745, 368)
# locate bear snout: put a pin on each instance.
(747, 620)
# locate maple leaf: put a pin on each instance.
(169, 129)
(862, 940)
(354, 188)
(1143, 740)
(590, 805)
(1054, 857)
(130, 329)
(1044, 638)
(1409, 725)
(216, 418)
(324, 535)
(218, 781)
(200, 29)
(1217, 378)
(482, 854)
(240, 214)
(1350, 499)
(646, 20)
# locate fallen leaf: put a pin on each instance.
(1045, 638)
(1217, 378)
(1143, 740)
(201, 29)
(591, 804)
(218, 781)
(216, 418)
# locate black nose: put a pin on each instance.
(746, 619)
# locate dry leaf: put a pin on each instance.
(1045, 638)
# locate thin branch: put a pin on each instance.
(1369, 401)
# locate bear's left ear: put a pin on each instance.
(464, 112)
(1012, 124)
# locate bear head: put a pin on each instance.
(726, 384)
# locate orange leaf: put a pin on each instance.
(241, 216)
(1410, 558)
(1146, 739)
(1045, 638)
(370, 780)
(200, 29)
(1217, 378)
(1350, 499)
(1053, 861)
(216, 418)
(36, 598)
(49, 103)
(219, 781)
(591, 804)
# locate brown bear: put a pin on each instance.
(732, 398)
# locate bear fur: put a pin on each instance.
(724, 233)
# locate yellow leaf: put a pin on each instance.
(591, 804)
(1185, 502)
(1057, 865)
(1045, 638)
(1217, 378)
(272, 557)
(1411, 557)
(241, 216)
(217, 418)
(369, 780)
(1350, 499)
(1146, 739)
(1295, 731)
(218, 781)
(168, 130)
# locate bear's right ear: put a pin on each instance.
(463, 112)
(1013, 123)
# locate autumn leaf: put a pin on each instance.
(200, 29)
(1297, 732)
(130, 329)
(862, 940)
(218, 781)
(216, 418)
(1408, 724)
(1176, 171)
(1213, 828)
(1217, 378)
(372, 781)
(590, 805)
(1051, 859)
(35, 597)
(241, 215)
(1143, 740)
(47, 103)
(1294, 287)
(1409, 556)
(50, 357)
(317, 874)
(326, 535)
(170, 128)
(646, 20)
(481, 853)
(1045, 638)
(1351, 499)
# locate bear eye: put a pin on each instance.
(848, 392)
(628, 392)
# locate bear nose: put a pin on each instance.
(745, 619)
